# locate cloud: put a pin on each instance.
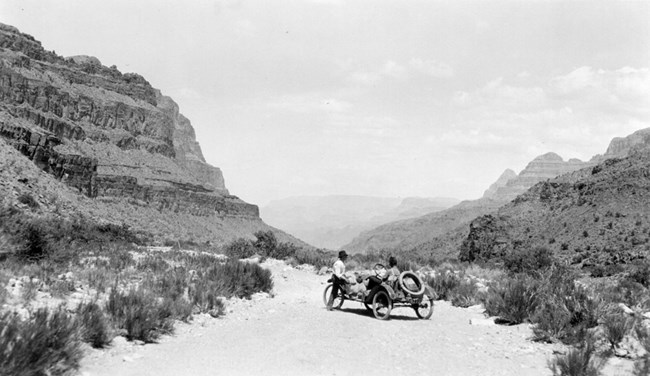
(398, 71)
(498, 95)
(353, 126)
(608, 92)
(308, 103)
(432, 68)
(568, 114)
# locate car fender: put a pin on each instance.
(389, 291)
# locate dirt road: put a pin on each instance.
(293, 334)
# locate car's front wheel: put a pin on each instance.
(424, 310)
(381, 305)
(338, 300)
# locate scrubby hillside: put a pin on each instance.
(440, 235)
(596, 218)
(28, 190)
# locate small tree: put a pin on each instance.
(266, 242)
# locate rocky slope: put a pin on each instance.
(331, 221)
(113, 138)
(439, 235)
(593, 218)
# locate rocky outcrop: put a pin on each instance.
(501, 182)
(104, 132)
(622, 146)
(544, 167)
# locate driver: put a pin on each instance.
(391, 275)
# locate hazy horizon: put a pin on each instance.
(372, 98)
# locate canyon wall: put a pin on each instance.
(105, 133)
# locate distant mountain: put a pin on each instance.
(440, 234)
(331, 221)
(594, 218)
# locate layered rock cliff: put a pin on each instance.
(546, 166)
(105, 133)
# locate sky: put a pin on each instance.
(374, 98)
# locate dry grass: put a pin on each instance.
(46, 343)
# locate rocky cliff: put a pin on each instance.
(501, 182)
(104, 132)
(620, 147)
(546, 166)
(107, 134)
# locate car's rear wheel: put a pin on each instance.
(338, 300)
(424, 310)
(381, 305)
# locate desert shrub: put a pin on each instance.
(60, 288)
(443, 281)
(615, 327)
(625, 291)
(265, 242)
(530, 261)
(28, 200)
(29, 290)
(579, 361)
(642, 364)
(152, 263)
(95, 327)
(171, 286)
(318, 258)
(465, 294)
(512, 299)
(239, 249)
(178, 308)
(35, 245)
(552, 321)
(98, 278)
(3, 293)
(139, 313)
(239, 279)
(47, 343)
(283, 251)
(204, 295)
(405, 265)
(120, 259)
(640, 274)
(566, 309)
(484, 272)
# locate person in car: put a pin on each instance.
(391, 276)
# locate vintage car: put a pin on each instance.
(407, 291)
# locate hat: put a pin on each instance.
(342, 254)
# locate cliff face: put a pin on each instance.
(104, 132)
(622, 146)
(546, 166)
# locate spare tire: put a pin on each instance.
(409, 289)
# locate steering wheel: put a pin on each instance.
(380, 270)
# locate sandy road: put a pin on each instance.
(292, 334)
